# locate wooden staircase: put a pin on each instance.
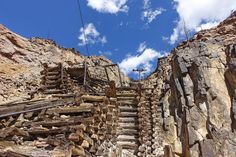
(55, 80)
(127, 130)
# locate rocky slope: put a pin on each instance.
(21, 61)
(196, 88)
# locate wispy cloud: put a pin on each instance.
(142, 47)
(200, 14)
(144, 59)
(109, 6)
(105, 53)
(90, 35)
(149, 14)
(146, 4)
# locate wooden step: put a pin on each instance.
(53, 73)
(128, 114)
(128, 109)
(127, 98)
(53, 86)
(127, 132)
(126, 95)
(132, 103)
(127, 138)
(127, 120)
(127, 126)
(54, 91)
(127, 144)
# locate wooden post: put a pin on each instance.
(107, 73)
(119, 73)
(85, 71)
(120, 76)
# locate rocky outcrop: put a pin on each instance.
(22, 60)
(195, 87)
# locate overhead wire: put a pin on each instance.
(83, 26)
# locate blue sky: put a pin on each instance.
(130, 32)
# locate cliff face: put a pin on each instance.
(196, 88)
(21, 61)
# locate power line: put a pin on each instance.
(82, 21)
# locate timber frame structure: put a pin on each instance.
(109, 122)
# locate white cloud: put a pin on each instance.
(149, 14)
(206, 26)
(105, 53)
(142, 47)
(109, 6)
(164, 38)
(146, 4)
(90, 35)
(143, 60)
(174, 37)
(200, 14)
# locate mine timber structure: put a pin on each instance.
(109, 122)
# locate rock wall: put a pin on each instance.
(195, 87)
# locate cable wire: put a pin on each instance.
(82, 21)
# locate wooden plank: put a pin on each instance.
(36, 106)
(93, 98)
(70, 110)
(60, 122)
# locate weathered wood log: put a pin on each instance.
(126, 95)
(127, 144)
(51, 77)
(126, 98)
(54, 91)
(128, 120)
(59, 123)
(130, 138)
(10, 153)
(45, 132)
(45, 72)
(127, 132)
(11, 131)
(128, 114)
(34, 106)
(128, 109)
(93, 98)
(64, 95)
(130, 103)
(71, 110)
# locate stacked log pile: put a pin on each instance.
(145, 126)
(157, 126)
(69, 127)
